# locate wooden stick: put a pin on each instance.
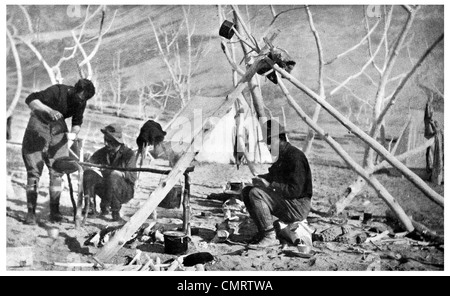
(79, 264)
(417, 181)
(150, 263)
(186, 206)
(173, 265)
(151, 170)
(428, 233)
(157, 264)
(359, 184)
(136, 257)
(78, 216)
(72, 199)
(378, 237)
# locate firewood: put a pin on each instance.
(378, 236)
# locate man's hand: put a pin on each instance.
(71, 138)
(54, 115)
(260, 182)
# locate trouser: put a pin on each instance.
(42, 144)
(114, 190)
(263, 204)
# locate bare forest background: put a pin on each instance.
(140, 78)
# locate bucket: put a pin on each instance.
(226, 29)
(173, 198)
(175, 242)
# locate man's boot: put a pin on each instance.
(266, 239)
(31, 206)
(116, 216)
(55, 215)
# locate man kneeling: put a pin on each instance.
(114, 187)
(285, 192)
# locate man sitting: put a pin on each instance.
(114, 187)
(284, 192)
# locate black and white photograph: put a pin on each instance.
(200, 138)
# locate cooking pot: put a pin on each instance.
(175, 242)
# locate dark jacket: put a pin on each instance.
(290, 175)
(63, 99)
(124, 158)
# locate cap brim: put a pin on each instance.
(106, 133)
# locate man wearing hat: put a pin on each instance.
(114, 187)
(284, 192)
(47, 138)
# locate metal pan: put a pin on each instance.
(226, 29)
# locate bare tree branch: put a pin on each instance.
(386, 27)
(370, 79)
(50, 72)
(16, 98)
(27, 17)
(369, 40)
(246, 30)
(272, 10)
(355, 46)
(406, 78)
(342, 84)
(387, 69)
(310, 138)
(94, 51)
(366, 102)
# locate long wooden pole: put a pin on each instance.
(379, 188)
(187, 205)
(127, 230)
(418, 182)
(357, 186)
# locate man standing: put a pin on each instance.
(284, 192)
(114, 187)
(46, 138)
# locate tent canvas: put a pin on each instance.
(220, 145)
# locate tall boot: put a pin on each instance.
(31, 206)
(55, 215)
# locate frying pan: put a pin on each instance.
(67, 165)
